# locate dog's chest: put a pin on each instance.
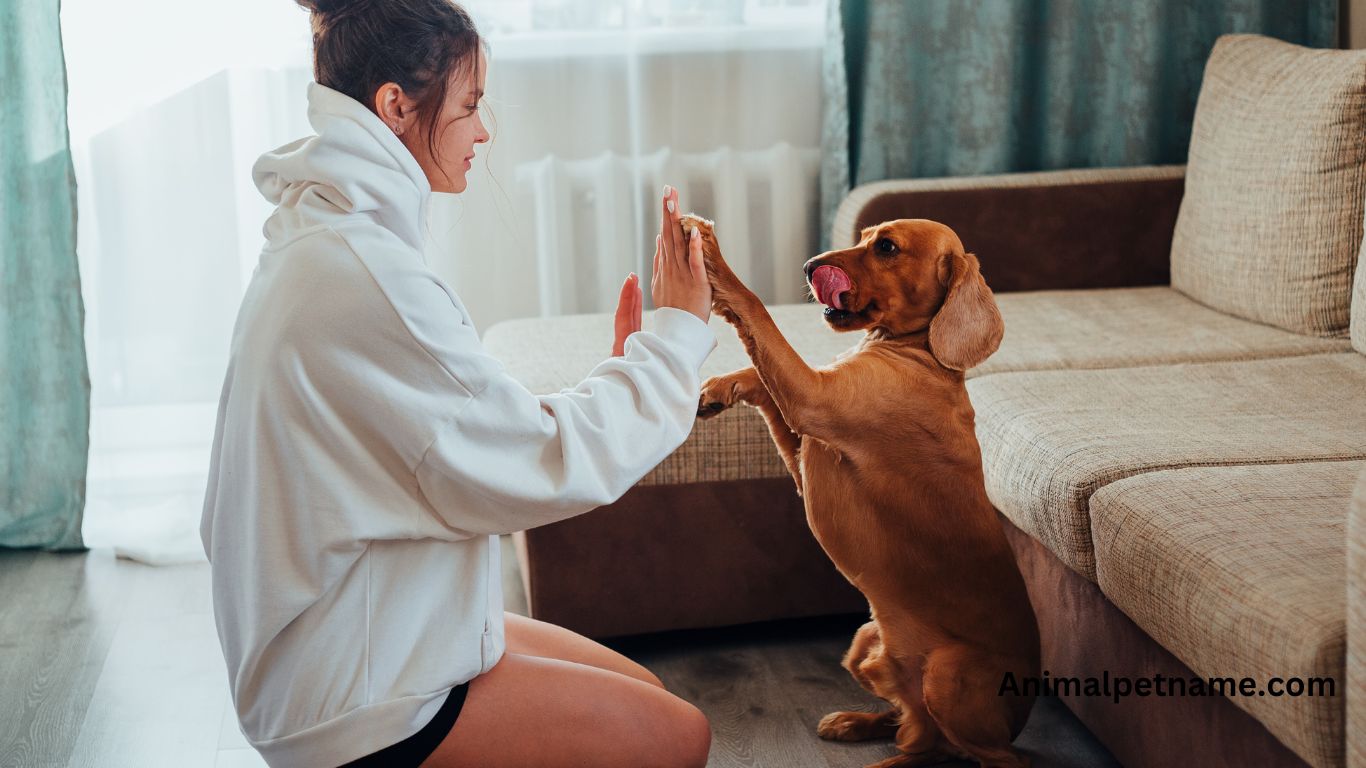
(834, 503)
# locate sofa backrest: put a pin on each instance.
(1271, 222)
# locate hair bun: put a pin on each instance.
(329, 7)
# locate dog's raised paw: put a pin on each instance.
(718, 394)
(707, 408)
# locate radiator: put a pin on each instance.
(595, 219)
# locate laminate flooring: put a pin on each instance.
(108, 662)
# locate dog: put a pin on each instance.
(881, 445)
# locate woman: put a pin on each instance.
(368, 452)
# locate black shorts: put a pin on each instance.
(418, 747)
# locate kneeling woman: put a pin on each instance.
(368, 452)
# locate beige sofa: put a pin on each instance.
(1172, 440)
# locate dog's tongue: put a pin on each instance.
(830, 284)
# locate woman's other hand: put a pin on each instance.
(680, 278)
(628, 313)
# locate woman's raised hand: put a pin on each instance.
(628, 313)
(680, 278)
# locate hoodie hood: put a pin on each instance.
(355, 165)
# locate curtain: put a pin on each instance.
(592, 106)
(44, 384)
(967, 87)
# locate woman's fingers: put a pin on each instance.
(654, 273)
(701, 285)
(623, 321)
(639, 309)
(668, 226)
(664, 211)
(680, 278)
(695, 263)
(680, 251)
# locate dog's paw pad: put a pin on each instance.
(707, 409)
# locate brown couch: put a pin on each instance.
(1171, 431)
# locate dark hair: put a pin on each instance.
(359, 45)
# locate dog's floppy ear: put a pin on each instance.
(968, 327)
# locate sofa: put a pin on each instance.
(1173, 430)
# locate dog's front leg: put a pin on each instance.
(796, 388)
(744, 386)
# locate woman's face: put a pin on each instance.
(459, 128)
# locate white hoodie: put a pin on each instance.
(368, 452)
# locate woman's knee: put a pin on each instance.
(695, 733)
(680, 737)
(536, 711)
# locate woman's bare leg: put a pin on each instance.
(530, 637)
(530, 710)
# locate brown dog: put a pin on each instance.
(882, 448)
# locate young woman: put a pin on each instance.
(368, 451)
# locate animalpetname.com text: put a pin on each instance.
(1116, 687)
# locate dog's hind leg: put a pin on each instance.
(867, 643)
(960, 688)
(744, 385)
(860, 726)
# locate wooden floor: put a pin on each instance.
(107, 662)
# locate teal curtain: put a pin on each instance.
(44, 382)
(923, 88)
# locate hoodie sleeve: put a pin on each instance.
(489, 456)
(510, 460)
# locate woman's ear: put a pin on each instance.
(968, 327)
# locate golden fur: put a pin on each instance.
(882, 448)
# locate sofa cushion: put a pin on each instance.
(1359, 305)
(1271, 220)
(1356, 627)
(551, 354)
(1050, 439)
(1239, 572)
(1044, 330)
(1127, 327)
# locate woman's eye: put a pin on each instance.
(886, 246)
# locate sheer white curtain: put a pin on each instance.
(594, 105)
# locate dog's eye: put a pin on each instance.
(885, 246)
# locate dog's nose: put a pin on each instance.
(810, 267)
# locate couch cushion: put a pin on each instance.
(1044, 330)
(550, 354)
(1271, 221)
(1127, 327)
(1359, 305)
(1050, 439)
(1356, 627)
(1239, 572)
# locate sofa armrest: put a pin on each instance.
(1094, 228)
(1356, 627)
